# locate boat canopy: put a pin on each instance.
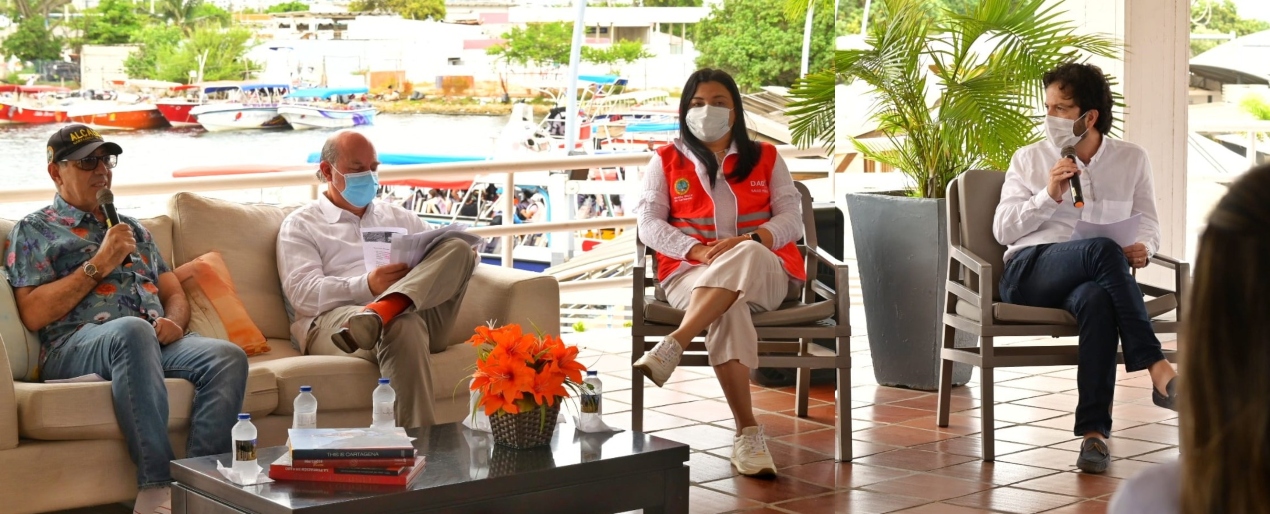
(326, 92)
(9, 88)
(661, 126)
(599, 79)
(255, 87)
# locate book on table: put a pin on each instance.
(350, 443)
(283, 469)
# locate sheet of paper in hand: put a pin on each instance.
(411, 249)
(1124, 232)
(377, 245)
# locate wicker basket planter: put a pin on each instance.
(526, 429)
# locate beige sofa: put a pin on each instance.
(60, 446)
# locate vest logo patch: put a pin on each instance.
(681, 186)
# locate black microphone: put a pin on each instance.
(107, 201)
(1078, 197)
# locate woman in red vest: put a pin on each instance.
(723, 215)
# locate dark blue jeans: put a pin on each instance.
(126, 352)
(1089, 278)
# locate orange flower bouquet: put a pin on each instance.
(521, 379)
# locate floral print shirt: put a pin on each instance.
(56, 241)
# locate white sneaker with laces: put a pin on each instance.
(750, 455)
(660, 362)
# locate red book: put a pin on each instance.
(353, 463)
(282, 469)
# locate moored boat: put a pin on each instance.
(320, 108)
(32, 104)
(256, 108)
(109, 115)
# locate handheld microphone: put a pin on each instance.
(1078, 197)
(107, 201)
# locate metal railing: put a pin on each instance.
(484, 170)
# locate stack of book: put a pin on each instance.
(349, 455)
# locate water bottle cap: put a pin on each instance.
(383, 381)
(592, 373)
(242, 416)
(305, 389)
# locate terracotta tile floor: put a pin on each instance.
(903, 462)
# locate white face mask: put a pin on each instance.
(709, 123)
(1061, 131)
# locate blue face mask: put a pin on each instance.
(360, 188)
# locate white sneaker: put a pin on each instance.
(660, 362)
(750, 455)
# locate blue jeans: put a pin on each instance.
(1089, 278)
(126, 352)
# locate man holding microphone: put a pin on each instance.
(1078, 173)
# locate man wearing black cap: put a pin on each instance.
(104, 301)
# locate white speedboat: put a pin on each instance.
(256, 108)
(322, 108)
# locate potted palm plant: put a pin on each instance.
(950, 91)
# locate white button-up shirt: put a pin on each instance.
(320, 257)
(1116, 184)
(786, 224)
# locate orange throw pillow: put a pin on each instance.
(215, 310)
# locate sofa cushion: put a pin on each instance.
(23, 346)
(246, 236)
(85, 410)
(215, 310)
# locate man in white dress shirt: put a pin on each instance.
(392, 315)
(1090, 278)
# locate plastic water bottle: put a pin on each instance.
(384, 399)
(244, 435)
(591, 404)
(305, 409)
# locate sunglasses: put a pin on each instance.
(90, 163)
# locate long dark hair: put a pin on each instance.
(1225, 352)
(746, 149)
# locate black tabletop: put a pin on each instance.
(461, 466)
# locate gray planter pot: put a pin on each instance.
(901, 248)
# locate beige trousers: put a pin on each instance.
(756, 274)
(435, 287)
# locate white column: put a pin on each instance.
(1157, 34)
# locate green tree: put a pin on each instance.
(112, 22)
(1219, 17)
(33, 8)
(535, 44)
(32, 41)
(166, 54)
(211, 14)
(292, 6)
(408, 9)
(621, 52)
(758, 45)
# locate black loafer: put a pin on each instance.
(1168, 402)
(1094, 456)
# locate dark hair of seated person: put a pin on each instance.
(1225, 357)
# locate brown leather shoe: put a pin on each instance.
(361, 332)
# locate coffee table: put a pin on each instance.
(467, 472)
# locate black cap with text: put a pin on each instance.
(75, 142)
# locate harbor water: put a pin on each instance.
(152, 155)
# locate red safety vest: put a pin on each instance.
(692, 209)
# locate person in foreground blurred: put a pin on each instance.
(1090, 278)
(104, 301)
(723, 215)
(1225, 354)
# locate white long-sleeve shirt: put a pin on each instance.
(320, 257)
(1116, 183)
(786, 224)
